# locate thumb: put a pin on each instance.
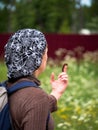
(52, 77)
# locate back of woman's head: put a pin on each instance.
(24, 51)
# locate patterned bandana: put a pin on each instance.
(24, 51)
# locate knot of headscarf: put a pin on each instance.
(24, 51)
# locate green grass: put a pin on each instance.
(78, 106)
(3, 71)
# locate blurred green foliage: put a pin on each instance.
(78, 106)
(51, 16)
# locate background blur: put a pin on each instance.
(66, 23)
(49, 16)
(71, 30)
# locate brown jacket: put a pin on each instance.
(29, 109)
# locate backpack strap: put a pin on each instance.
(47, 121)
(20, 85)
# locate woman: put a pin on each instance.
(26, 58)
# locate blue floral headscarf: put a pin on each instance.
(24, 51)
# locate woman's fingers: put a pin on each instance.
(63, 74)
(63, 77)
(65, 67)
(52, 77)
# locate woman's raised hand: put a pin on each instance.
(59, 85)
